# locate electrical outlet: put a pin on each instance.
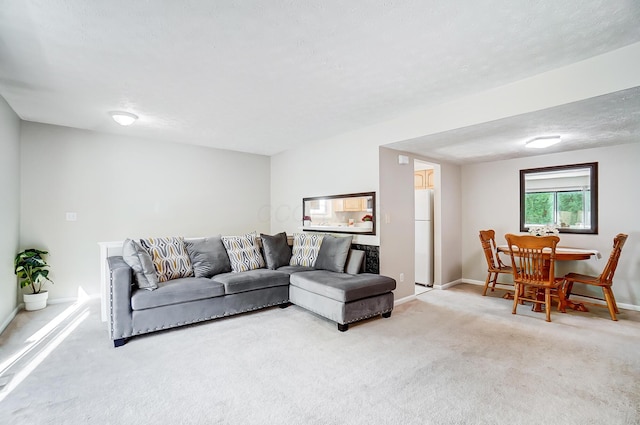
(71, 216)
(401, 277)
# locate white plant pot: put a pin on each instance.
(35, 301)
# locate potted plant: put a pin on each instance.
(31, 269)
(306, 221)
(368, 220)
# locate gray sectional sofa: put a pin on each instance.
(332, 286)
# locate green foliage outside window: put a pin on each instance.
(539, 208)
(570, 208)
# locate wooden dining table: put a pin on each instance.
(564, 254)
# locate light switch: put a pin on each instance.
(71, 216)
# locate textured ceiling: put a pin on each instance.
(607, 120)
(266, 76)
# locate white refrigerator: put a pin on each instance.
(424, 236)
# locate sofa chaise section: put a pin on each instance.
(341, 297)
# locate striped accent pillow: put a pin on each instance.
(305, 249)
(170, 257)
(244, 252)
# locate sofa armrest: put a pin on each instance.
(120, 281)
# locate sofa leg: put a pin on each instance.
(119, 342)
(343, 328)
(387, 314)
(285, 305)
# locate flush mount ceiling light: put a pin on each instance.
(542, 142)
(123, 118)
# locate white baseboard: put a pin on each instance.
(576, 297)
(448, 284)
(71, 299)
(404, 300)
(597, 301)
(62, 300)
(9, 318)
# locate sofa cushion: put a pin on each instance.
(295, 269)
(140, 261)
(170, 257)
(341, 286)
(277, 252)
(251, 280)
(244, 252)
(177, 291)
(305, 249)
(208, 256)
(333, 253)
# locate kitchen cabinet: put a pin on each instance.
(350, 204)
(423, 179)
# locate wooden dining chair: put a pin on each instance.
(494, 265)
(533, 258)
(605, 280)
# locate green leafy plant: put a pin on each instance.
(31, 269)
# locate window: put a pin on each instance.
(564, 195)
(348, 213)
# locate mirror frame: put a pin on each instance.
(593, 182)
(342, 196)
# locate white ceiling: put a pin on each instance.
(266, 76)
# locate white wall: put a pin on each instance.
(350, 162)
(318, 170)
(126, 187)
(397, 238)
(9, 209)
(484, 207)
(397, 215)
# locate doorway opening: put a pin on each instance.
(424, 184)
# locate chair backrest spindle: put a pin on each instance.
(534, 257)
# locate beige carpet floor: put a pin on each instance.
(448, 357)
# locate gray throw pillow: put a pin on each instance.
(354, 261)
(277, 252)
(140, 261)
(333, 253)
(208, 256)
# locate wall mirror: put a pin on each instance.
(348, 213)
(566, 196)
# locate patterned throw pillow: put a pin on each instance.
(305, 249)
(169, 256)
(244, 252)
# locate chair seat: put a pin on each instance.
(502, 269)
(583, 278)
